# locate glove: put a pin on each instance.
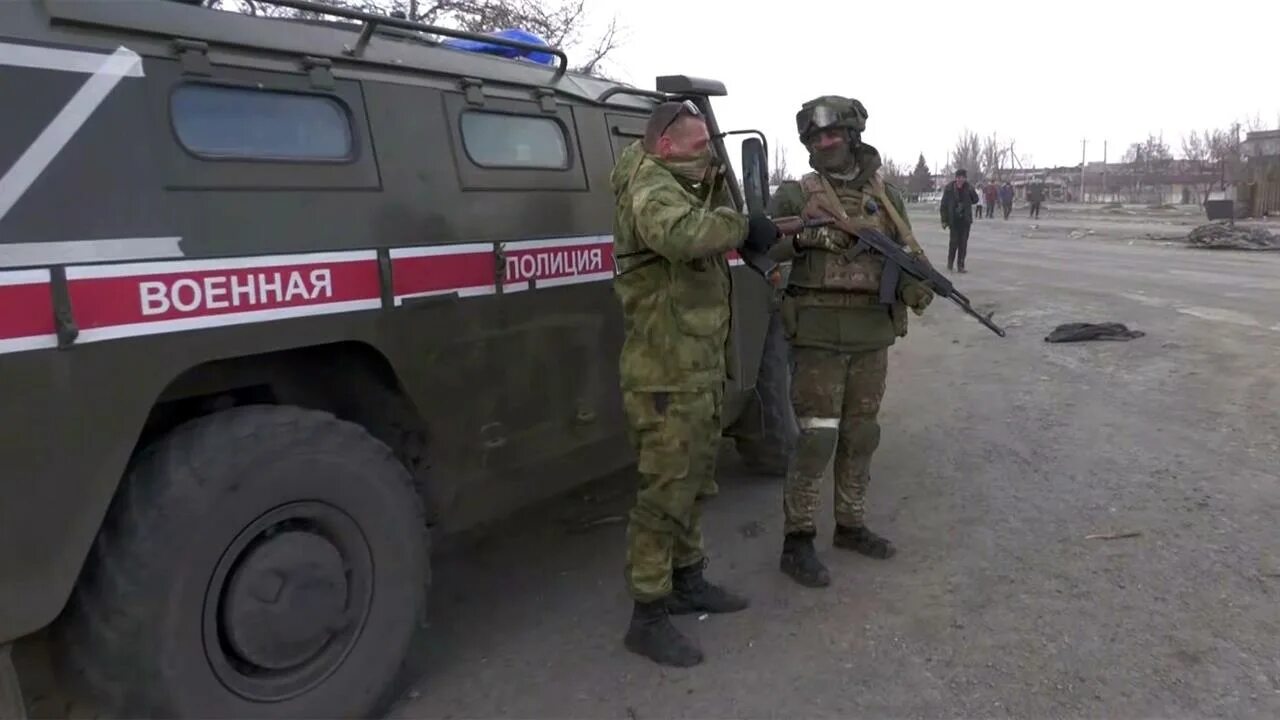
(761, 234)
(917, 297)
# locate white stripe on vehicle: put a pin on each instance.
(204, 322)
(75, 252)
(46, 58)
(56, 135)
(23, 277)
(230, 263)
(519, 245)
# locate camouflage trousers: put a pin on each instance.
(677, 437)
(836, 398)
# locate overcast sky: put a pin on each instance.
(1044, 74)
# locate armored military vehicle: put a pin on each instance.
(278, 300)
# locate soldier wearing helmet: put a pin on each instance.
(839, 331)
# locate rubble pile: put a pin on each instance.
(1220, 235)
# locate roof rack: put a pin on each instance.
(371, 22)
(638, 92)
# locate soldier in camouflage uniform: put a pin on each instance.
(673, 226)
(840, 333)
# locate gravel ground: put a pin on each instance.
(999, 458)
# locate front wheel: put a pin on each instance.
(264, 561)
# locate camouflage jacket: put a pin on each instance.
(672, 276)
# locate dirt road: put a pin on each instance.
(999, 457)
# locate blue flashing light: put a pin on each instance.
(503, 51)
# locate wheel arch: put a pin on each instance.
(352, 380)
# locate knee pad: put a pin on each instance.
(863, 437)
(814, 448)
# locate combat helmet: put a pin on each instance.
(830, 111)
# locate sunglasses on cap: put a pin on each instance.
(686, 107)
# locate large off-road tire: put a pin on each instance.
(264, 561)
(765, 434)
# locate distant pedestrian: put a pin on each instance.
(1006, 198)
(1035, 196)
(990, 195)
(958, 201)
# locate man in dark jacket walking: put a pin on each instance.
(1006, 198)
(1035, 196)
(957, 215)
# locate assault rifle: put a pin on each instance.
(897, 261)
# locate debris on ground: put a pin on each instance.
(1113, 536)
(1080, 332)
(1222, 235)
(1077, 234)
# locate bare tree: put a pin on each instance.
(1197, 151)
(778, 173)
(894, 172)
(560, 22)
(967, 154)
(995, 157)
(1224, 152)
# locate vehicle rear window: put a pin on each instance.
(497, 140)
(228, 122)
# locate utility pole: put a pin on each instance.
(1084, 143)
(1104, 171)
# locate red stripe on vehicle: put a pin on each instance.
(161, 292)
(423, 272)
(539, 261)
(26, 308)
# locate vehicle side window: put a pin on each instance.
(500, 140)
(220, 122)
(509, 144)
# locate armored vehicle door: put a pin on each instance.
(624, 130)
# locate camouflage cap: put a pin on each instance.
(830, 111)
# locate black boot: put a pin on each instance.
(800, 561)
(860, 539)
(690, 592)
(652, 635)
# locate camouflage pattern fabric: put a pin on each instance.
(840, 335)
(670, 241)
(677, 437)
(837, 398)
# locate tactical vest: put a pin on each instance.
(831, 264)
